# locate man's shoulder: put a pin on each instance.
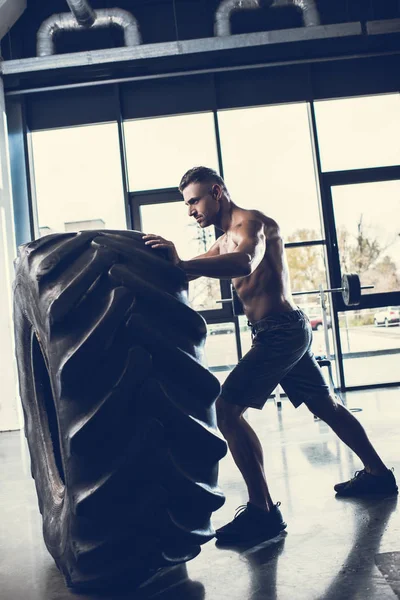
(254, 215)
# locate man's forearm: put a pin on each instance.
(226, 266)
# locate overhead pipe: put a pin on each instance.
(82, 12)
(222, 26)
(309, 10)
(103, 18)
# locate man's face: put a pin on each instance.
(202, 200)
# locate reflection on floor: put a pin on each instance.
(333, 549)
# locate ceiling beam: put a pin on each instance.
(184, 47)
(10, 12)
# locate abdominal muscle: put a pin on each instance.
(267, 289)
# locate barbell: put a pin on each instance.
(350, 289)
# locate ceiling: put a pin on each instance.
(169, 20)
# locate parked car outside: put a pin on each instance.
(387, 316)
(220, 328)
(315, 316)
(317, 323)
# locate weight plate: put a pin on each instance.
(351, 289)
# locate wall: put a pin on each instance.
(10, 417)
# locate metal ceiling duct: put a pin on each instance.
(222, 24)
(228, 7)
(308, 8)
(81, 18)
(82, 12)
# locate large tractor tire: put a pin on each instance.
(119, 411)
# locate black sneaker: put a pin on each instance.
(364, 484)
(251, 524)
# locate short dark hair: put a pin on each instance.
(201, 175)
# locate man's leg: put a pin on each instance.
(270, 359)
(375, 478)
(260, 520)
(349, 430)
(246, 450)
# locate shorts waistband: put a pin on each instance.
(276, 319)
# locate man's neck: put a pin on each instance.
(224, 220)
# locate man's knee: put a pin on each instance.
(325, 407)
(228, 415)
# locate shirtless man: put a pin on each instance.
(251, 253)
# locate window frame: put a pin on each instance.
(342, 178)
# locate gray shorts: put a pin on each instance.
(280, 353)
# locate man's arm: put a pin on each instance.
(213, 251)
(246, 257)
(156, 241)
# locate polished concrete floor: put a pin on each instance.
(334, 549)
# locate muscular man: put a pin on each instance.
(251, 253)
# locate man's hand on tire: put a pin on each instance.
(156, 241)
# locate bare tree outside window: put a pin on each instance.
(369, 256)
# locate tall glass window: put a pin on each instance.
(269, 166)
(160, 150)
(367, 217)
(371, 345)
(359, 133)
(78, 179)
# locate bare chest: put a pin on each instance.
(227, 244)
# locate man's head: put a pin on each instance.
(203, 189)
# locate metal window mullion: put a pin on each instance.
(123, 157)
(305, 243)
(372, 386)
(31, 181)
(332, 250)
(218, 143)
(159, 196)
(238, 339)
(331, 246)
(357, 176)
(224, 284)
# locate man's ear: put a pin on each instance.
(216, 191)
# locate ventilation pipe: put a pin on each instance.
(82, 12)
(84, 17)
(228, 7)
(308, 8)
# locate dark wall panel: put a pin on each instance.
(230, 89)
(356, 77)
(168, 96)
(263, 86)
(66, 108)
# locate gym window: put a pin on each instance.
(78, 181)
